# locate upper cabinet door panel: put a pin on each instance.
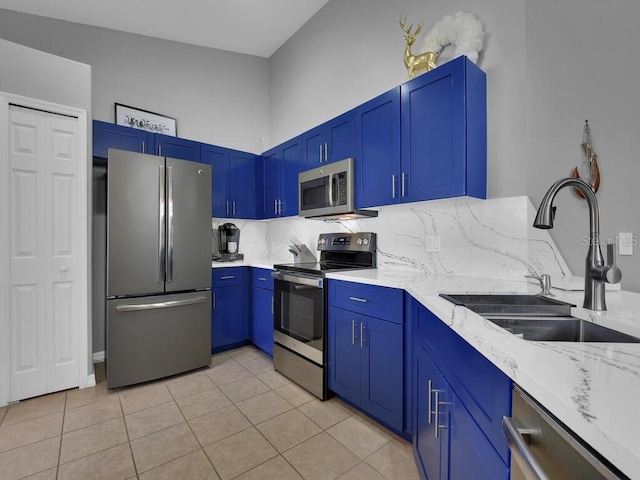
(108, 135)
(218, 159)
(179, 148)
(378, 151)
(242, 184)
(341, 137)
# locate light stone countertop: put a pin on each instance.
(594, 389)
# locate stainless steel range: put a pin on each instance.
(300, 307)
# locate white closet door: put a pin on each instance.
(44, 310)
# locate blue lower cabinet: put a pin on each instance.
(261, 318)
(366, 364)
(454, 418)
(229, 313)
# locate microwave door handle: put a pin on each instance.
(331, 181)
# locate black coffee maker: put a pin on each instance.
(228, 243)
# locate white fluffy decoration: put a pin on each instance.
(463, 30)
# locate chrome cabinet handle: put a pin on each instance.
(429, 412)
(437, 427)
(233, 204)
(227, 277)
(227, 207)
(520, 451)
(354, 338)
(275, 207)
(357, 299)
(262, 279)
(326, 152)
(320, 153)
(362, 340)
(160, 150)
(393, 186)
(143, 148)
(403, 189)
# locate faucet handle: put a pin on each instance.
(612, 273)
(545, 283)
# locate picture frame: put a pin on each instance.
(145, 120)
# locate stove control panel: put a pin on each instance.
(353, 242)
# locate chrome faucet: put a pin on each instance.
(597, 272)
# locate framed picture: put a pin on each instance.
(145, 120)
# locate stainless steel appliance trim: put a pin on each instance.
(297, 346)
(551, 445)
(156, 305)
(169, 266)
(331, 182)
(520, 451)
(316, 282)
(161, 224)
(303, 372)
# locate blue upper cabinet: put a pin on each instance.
(175, 147)
(109, 135)
(444, 133)
(378, 150)
(280, 167)
(218, 159)
(329, 142)
(234, 181)
(242, 185)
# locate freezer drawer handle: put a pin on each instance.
(153, 306)
(520, 450)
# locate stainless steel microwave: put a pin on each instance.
(327, 190)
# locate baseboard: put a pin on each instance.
(98, 357)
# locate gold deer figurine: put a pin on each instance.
(426, 60)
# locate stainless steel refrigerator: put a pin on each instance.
(158, 267)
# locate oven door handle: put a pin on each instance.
(298, 279)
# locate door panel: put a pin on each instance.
(344, 354)
(188, 225)
(44, 226)
(135, 182)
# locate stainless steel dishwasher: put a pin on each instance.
(543, 449)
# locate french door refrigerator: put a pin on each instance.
(158, 267)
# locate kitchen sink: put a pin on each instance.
(560, 329)
(512, 304)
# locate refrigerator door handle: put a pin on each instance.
(168, 304)
(170, 224)
(161, 225)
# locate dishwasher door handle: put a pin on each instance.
(520, 451)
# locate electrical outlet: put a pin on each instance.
(432, 243)
(625, 243)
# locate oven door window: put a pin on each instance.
(300, 309)
(315, 193)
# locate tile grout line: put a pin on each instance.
(126, 429)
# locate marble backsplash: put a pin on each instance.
(477, 238)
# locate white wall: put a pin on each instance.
(34, 74)
(216, 96)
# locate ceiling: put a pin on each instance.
(254, 27)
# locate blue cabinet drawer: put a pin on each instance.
(379, 302)
(261, 278)
(227, 276)
(482, 387)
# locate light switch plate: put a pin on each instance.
(625, 243)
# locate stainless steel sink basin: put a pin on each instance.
(560, 329)
(512, 304)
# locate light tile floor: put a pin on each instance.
(236, 419)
